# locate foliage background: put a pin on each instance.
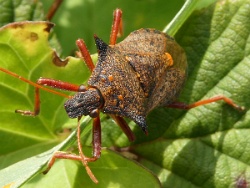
(203, 147)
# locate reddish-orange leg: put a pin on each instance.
(56, 4)
(116, 29)
(81, 157)
(51, 83)
(181, 105)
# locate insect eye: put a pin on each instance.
(94, 113)
(82, 88)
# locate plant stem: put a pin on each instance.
(180, 17)
(71, 139)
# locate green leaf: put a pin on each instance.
(112, 170)
(26, 45)
(111, 166)
(20, 10)
(208, 146)
(27, 52)
(203, 147)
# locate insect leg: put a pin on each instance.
(38, 86)
(84, 54)
(81, 157)
(124, 126)
(54, 7)
(116, 29)
(85, 159)
(61, 155)
(205, 101)
(36, 106)
(50, 83)
(57, 84)
(96, 140)
(71, 156)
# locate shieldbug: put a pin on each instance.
(144, 71)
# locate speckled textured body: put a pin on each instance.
(138, 74)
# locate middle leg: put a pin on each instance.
(41, 82)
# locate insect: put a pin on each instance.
(144, 71)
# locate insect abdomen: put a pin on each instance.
(159, 63)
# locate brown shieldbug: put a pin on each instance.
(133, 77)
(144, 71)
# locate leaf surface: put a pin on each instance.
(202, 147)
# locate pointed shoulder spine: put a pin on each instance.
(100, 45)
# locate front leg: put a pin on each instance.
(40, 85)
(50, 83)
